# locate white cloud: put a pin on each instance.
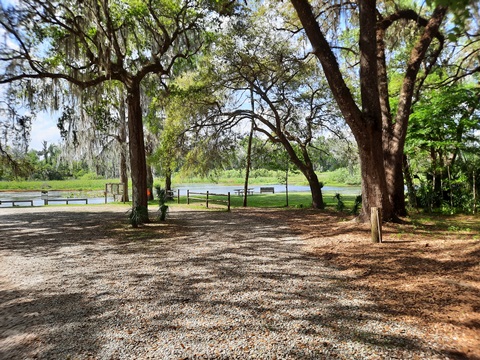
(44, 128)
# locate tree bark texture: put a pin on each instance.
(149, 183)
(138, 164)
(395, 137)
(122, 139)
(124, 176)
(249, 152)
(474, 189)
(374, 186)
(168, 180)
(315, 189)
(379, 139)
(365, 124)
(412, 194)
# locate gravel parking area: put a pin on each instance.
(77, 283)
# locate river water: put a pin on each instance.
(96, 197)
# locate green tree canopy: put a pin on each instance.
(86, 43)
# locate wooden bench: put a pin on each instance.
(13, 202)
(267, 190)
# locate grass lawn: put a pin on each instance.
(65, 185)
(295, 200)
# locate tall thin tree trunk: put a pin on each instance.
(168, 180)
(124, 176)
(437, 165)
(150, 182)
(412, 194)
(286, 183)
(474, 193)
(122, 139)
(138, 162)
(249, 152)
(450, 186)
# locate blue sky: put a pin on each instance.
(44, 128)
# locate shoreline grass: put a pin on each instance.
(56, 185)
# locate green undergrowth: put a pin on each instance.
(339, 177)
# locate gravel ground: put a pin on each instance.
(76, 283)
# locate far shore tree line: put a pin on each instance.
(200, 85)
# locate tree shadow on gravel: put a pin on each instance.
(426, 270)
(201, 285)
(28, 315)
(245, 243)
(33, 232)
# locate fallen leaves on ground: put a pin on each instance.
(426, 270)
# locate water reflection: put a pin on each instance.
(223, 189)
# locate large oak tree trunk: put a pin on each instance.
(396, 185)
(370, 137)
(365, 123)
(138, 164)
(374, 185)
(382, 177)
(315, 189)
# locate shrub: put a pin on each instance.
(90, 176)
(162, 199)
(340, 204)
(137, 215)
(357, 205)
(344, 176)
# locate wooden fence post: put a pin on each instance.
(207, 199)
(188, 197)
(178, 196)
(228, 201)
(376, 221)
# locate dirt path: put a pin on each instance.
(77, 283)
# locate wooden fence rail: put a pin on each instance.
(209, 197)
(66, 200)
(15, 202)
